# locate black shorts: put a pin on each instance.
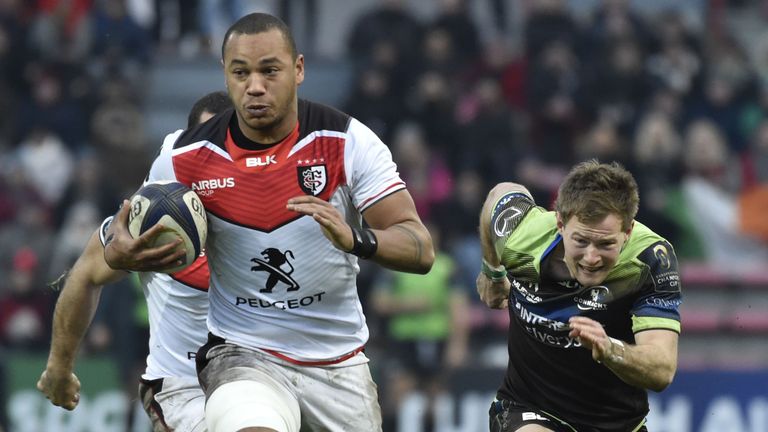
(509, 416)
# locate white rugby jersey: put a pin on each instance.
(178, 306)
(277, 283)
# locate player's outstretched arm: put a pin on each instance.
(650, 363)
(402, 241)
(73, 314)
(123, 252)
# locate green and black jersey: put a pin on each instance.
(550, 371)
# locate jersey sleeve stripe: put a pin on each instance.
(388, 191)
(200, 144)
(654, 323)
(311, 137)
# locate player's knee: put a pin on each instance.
(251, 406)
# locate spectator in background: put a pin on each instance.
(81, 219)
(719, 103)
(549, 21)
(118, 134)
(426, 320)
(614, 22)
(620, 85)
(47, 164)
(90, 183)
(758, 155)
(501, 60)
(24, 305)
(14, 57)
(711, 187)
(60, 31)
(374, 102)
(428, 178)
(676, 63)
(211, 12)
(308, 26)
(753, 201)
(456, 219)
(657, 161)
(431, 104)
(554, 95)
(176, 23)
(488, 139)
(454, 17)
(391, 21)
(603, 142)
(51, 108)
(438, 53)
(121, 45)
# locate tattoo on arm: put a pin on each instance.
(58, 284)
(410, 233)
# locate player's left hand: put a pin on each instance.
(331, 222)
(493, 294)
(592, 336)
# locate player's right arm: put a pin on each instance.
(121, 250)
(495, 226)
(73, 315)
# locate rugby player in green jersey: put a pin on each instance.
(593, 298)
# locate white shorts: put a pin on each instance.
(284, 396)
(174, 404)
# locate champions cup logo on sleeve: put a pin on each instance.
(312, 178)
(660, 252)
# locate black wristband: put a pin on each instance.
(364, 243)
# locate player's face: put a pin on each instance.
(262, 78)
(591, 250)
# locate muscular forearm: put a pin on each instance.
(644, 366)
(406, 246)
(71, 319)
(78, 302)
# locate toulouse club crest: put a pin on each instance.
(313, 179)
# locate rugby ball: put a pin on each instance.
(178, 209)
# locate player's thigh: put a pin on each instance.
(183, 404)
(244, 390)
(353, 384)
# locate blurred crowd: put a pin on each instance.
(461, 105)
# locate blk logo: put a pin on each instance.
(279, 268)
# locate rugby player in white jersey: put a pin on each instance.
(286, 184)
(177, 305)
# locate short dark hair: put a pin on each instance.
(214, 103)
(593, 190)
(259, 23)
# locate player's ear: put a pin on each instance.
(628, 232)
(560, 223)
(299, 69)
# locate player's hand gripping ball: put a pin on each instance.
(178, 209)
